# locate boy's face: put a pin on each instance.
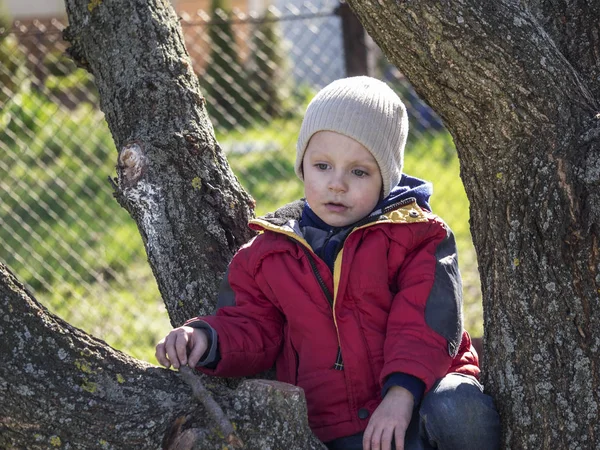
(342, 181)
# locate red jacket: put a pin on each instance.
(396, 298)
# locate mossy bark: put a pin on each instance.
(172, 176)
(61, 388)
(517, 86)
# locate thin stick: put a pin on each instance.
(204, 397)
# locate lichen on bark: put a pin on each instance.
(63, 388)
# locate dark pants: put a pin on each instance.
(454, 415)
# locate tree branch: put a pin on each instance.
(203, 396)
(59, 384)
(575, 28)
(63, 388)
(459, 56)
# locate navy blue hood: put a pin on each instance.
(326, 241)
(408, 187)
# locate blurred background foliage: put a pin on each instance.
(66, 237)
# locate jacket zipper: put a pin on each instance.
(399, 204)
(339, 363)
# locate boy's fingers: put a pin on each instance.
(399, 438)
(367, 437)
(170, 349)
(160, 354)
(386, 439)
(197, 351)
(376, 440)
(372, 440)
(181, 347)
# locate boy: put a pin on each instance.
(354, 293)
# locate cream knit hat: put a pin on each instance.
(366, 110)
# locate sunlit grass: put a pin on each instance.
(132, 319)
(89, 265)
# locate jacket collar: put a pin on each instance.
(286, 219)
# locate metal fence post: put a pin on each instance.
(355, 48)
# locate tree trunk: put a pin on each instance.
(517, 85)
(172, 176)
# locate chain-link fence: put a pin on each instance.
(65, 236)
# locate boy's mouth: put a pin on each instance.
(335, 207)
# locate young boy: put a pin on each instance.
(354, 293)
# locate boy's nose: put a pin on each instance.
(337, 184)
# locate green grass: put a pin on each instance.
(66, 236)
(130, 316)
(58, 204)
(267, 175)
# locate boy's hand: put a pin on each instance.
(174, 347)
(389, 421)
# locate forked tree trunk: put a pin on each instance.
(517, 84)
(61, 388)
(172, 176)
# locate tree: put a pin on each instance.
(517, 84)
(61, 388)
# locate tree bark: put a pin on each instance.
(61, 388)
(517, 86)
(172, 176)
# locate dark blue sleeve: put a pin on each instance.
(211, 356)
(412, 384)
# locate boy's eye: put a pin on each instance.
(321, 166)
(360, 173)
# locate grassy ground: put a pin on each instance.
(66, 236)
